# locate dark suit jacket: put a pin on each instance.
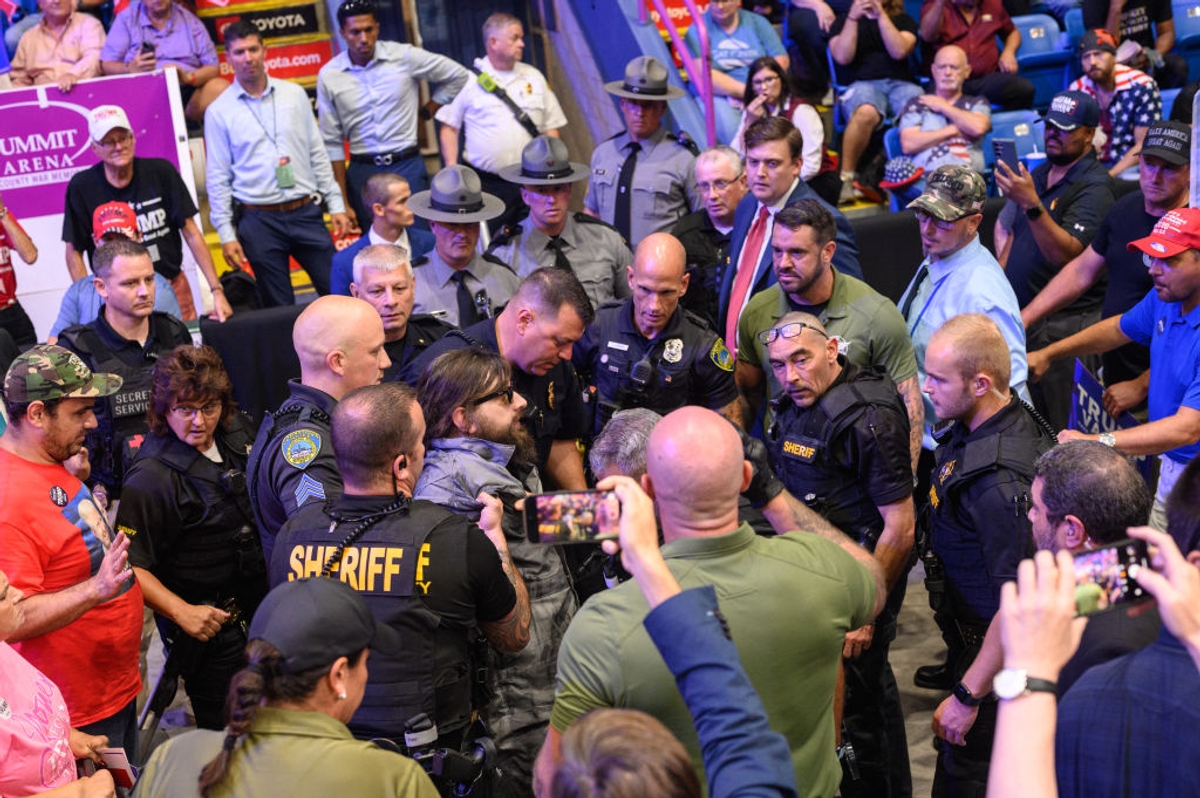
(845, 259)
(343, 262)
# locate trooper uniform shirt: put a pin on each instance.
(848, 454)
(664, 183)
(292, 461)
(437, 295)
(121, 418)
(421, 333)
(979, 499)
(556, 408)
(685, 364)
(597, 253)
(427, 572)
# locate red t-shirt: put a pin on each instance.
(47, 545)
(8, 277)
(977, 37)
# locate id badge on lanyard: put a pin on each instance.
(284, 175)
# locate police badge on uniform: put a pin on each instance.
(945, 472)
(720, 355)
(673, 350)
(301, 447)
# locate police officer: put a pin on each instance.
(988, 442)
(383, 277)
(193, 544)
(840, 443)
(339, 341)
(648, 352)
(643, 179)
(552, 236)
(454, 282)
(126, 339)
(427, 572)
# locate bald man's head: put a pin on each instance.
(339, 341)
(657, 280)
(696, 468)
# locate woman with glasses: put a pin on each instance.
(194, 546)
(769, 92)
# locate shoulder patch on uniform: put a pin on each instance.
(301, 447)
(308, 488)
(720, 355)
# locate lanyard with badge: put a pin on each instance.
(284, 175)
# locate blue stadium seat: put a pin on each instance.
(1023, 127)
(1075, 29)
(1168, 101)
(1187, 33)
(1040, 57)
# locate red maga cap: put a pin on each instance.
(1177, 231)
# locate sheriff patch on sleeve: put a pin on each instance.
(720, 356)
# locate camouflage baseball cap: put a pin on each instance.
(50, 372)
(951, 193)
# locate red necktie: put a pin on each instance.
(747, 264)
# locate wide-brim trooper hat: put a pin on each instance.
(544, 162)
(645, 79)
(456, 195)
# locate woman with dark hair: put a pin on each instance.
(287, 735)
(193, 543)
(769, 92)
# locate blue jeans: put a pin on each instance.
(269, 238)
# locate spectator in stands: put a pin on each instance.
(871, 43)
(1163, 322)
(274, 177)
(383, 277)
(152, 35)
(154, 189)
(769, 93)
(773, 148)
(13, 237)
(958, 275)
(974, 25)
(82, 622)
(641, 180)
(63, 48)
(368, 95)
(944, 127)
(808, 23)
(608, 660)
(385, 196)
(1129, 101)
(1181, 109)
(81, 303)
(736, 39)
(1164, 177)
(1149, 23)
(1050, 216)
(495, 132)
(705, 234)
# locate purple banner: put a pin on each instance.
(45, 135)
(1088, 413)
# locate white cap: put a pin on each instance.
(104, 118)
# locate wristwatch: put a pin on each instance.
(965, 696)
(1034, 212)
(1014, 683)
(1107, 438)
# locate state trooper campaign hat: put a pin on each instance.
(1169, 140)
(645, 79)
(315, 620)
(951, 193)
(1177, 231)
(455, 195)
(48, 372)
(1071, 109)
(545, 162)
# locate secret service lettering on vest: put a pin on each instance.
(366, 569)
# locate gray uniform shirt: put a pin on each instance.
(436, 294)
(664, 183)
(597, 252)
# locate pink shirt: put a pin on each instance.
(35, 750)
(44, 57)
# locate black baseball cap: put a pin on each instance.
(1169, 140)
(314, 621)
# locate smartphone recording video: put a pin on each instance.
(1102, 579)
(584, 516)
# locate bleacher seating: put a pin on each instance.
(1187, 33)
